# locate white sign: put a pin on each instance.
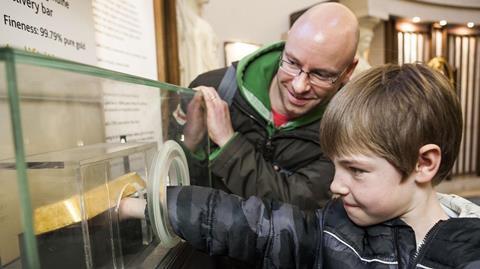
(60, 28)
(132, 113)
(125, 36)
(116, 35)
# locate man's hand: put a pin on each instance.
(195, 126)
(219, 123)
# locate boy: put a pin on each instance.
(393, 133)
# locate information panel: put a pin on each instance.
(125, 36)
(60, 28)
(114, 34)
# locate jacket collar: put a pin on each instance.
(458, 207)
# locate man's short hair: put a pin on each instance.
(392, 111)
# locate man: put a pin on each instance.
(268, 137)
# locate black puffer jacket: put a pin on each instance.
(286, 164)
(270, 234)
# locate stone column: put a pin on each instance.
(366, 25)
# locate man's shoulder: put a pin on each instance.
(211, 78)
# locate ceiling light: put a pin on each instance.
(443, 22)
(470, 24)
(416, 19)
(406, 27)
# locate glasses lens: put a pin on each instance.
(318, 80)
(314, 78)
(290, 68)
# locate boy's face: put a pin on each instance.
(371, 189)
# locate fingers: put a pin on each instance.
(218, 116)
(196, 103)
(198, 98)
(209, 93)
(211, 99)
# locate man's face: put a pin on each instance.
(296, 95)
(371, 189)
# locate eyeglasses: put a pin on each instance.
(316, 79)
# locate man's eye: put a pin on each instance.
(322, 76)
(291, 62)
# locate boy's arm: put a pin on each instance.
(254, 231)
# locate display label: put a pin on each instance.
(132, 113)
(60, 28)
(125, 36)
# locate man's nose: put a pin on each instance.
(300, 83)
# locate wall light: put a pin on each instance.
(406, 27)
(235, 51)
(470, 24)
(416, 19)
(443, 22)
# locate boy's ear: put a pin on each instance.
(429, 159)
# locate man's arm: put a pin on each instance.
(273, 234)
(246, 172)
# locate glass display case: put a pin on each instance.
(75, 140)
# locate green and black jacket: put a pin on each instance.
(284, 163)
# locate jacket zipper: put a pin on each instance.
(397, 246)
(248, 114)
(421, 250)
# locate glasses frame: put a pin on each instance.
(332, 80)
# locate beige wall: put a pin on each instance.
(377, 47)
(259, 22)
(265, 21)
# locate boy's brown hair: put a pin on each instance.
(392, 111)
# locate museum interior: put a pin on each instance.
(93, 110)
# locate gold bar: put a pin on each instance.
(66, 212)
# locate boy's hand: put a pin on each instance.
(132, 208)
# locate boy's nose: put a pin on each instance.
(337, 186)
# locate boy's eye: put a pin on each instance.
(356, 170)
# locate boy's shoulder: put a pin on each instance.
(455, 244)
(457, 240)
(376, 243)
(457, 206)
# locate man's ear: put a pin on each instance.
(429, 159)
(350, 70)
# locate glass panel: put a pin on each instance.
(10, 219)
(89, 137)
